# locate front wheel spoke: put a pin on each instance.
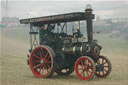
(42, 69)
(90, 67)
(81, 73)
(36, 66)
(82, 63)
(105, 70)
(105, 62)
(87, 73)
(87, 65)
(85, 62)
(106, 66)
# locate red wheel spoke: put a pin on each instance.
(46, 55)
(82, 63)
(87, 73)
(36, 66)
(37, 61)
(42, 51)
(90, 67)
(40, 68)
(46, 68)
(48, 61)
(85, 61)
(83, 74)
(41, 55)
(87, 64)
(36, 56)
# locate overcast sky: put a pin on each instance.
(36, 8)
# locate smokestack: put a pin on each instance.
(89, 18)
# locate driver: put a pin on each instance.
(46, 35)
(43, 34)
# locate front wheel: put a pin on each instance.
(85, 68)
(42, 62)
(104, 67)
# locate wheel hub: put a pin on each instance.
(86, 68)
(83, 68)
(99, 67)
(42, 61)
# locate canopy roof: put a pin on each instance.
(69, 17)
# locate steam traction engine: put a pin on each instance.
(60, 52)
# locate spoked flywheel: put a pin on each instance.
(65, 71)
(42, 62)
(85, 68)
(103, 67)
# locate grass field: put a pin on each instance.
(15, 71)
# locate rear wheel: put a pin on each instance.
(65, 71)
(85, 68)
(42, 62)
(104, 67)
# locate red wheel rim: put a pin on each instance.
(85, 68)
(41, 62)
(105, 62)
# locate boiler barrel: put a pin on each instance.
(75, 50)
